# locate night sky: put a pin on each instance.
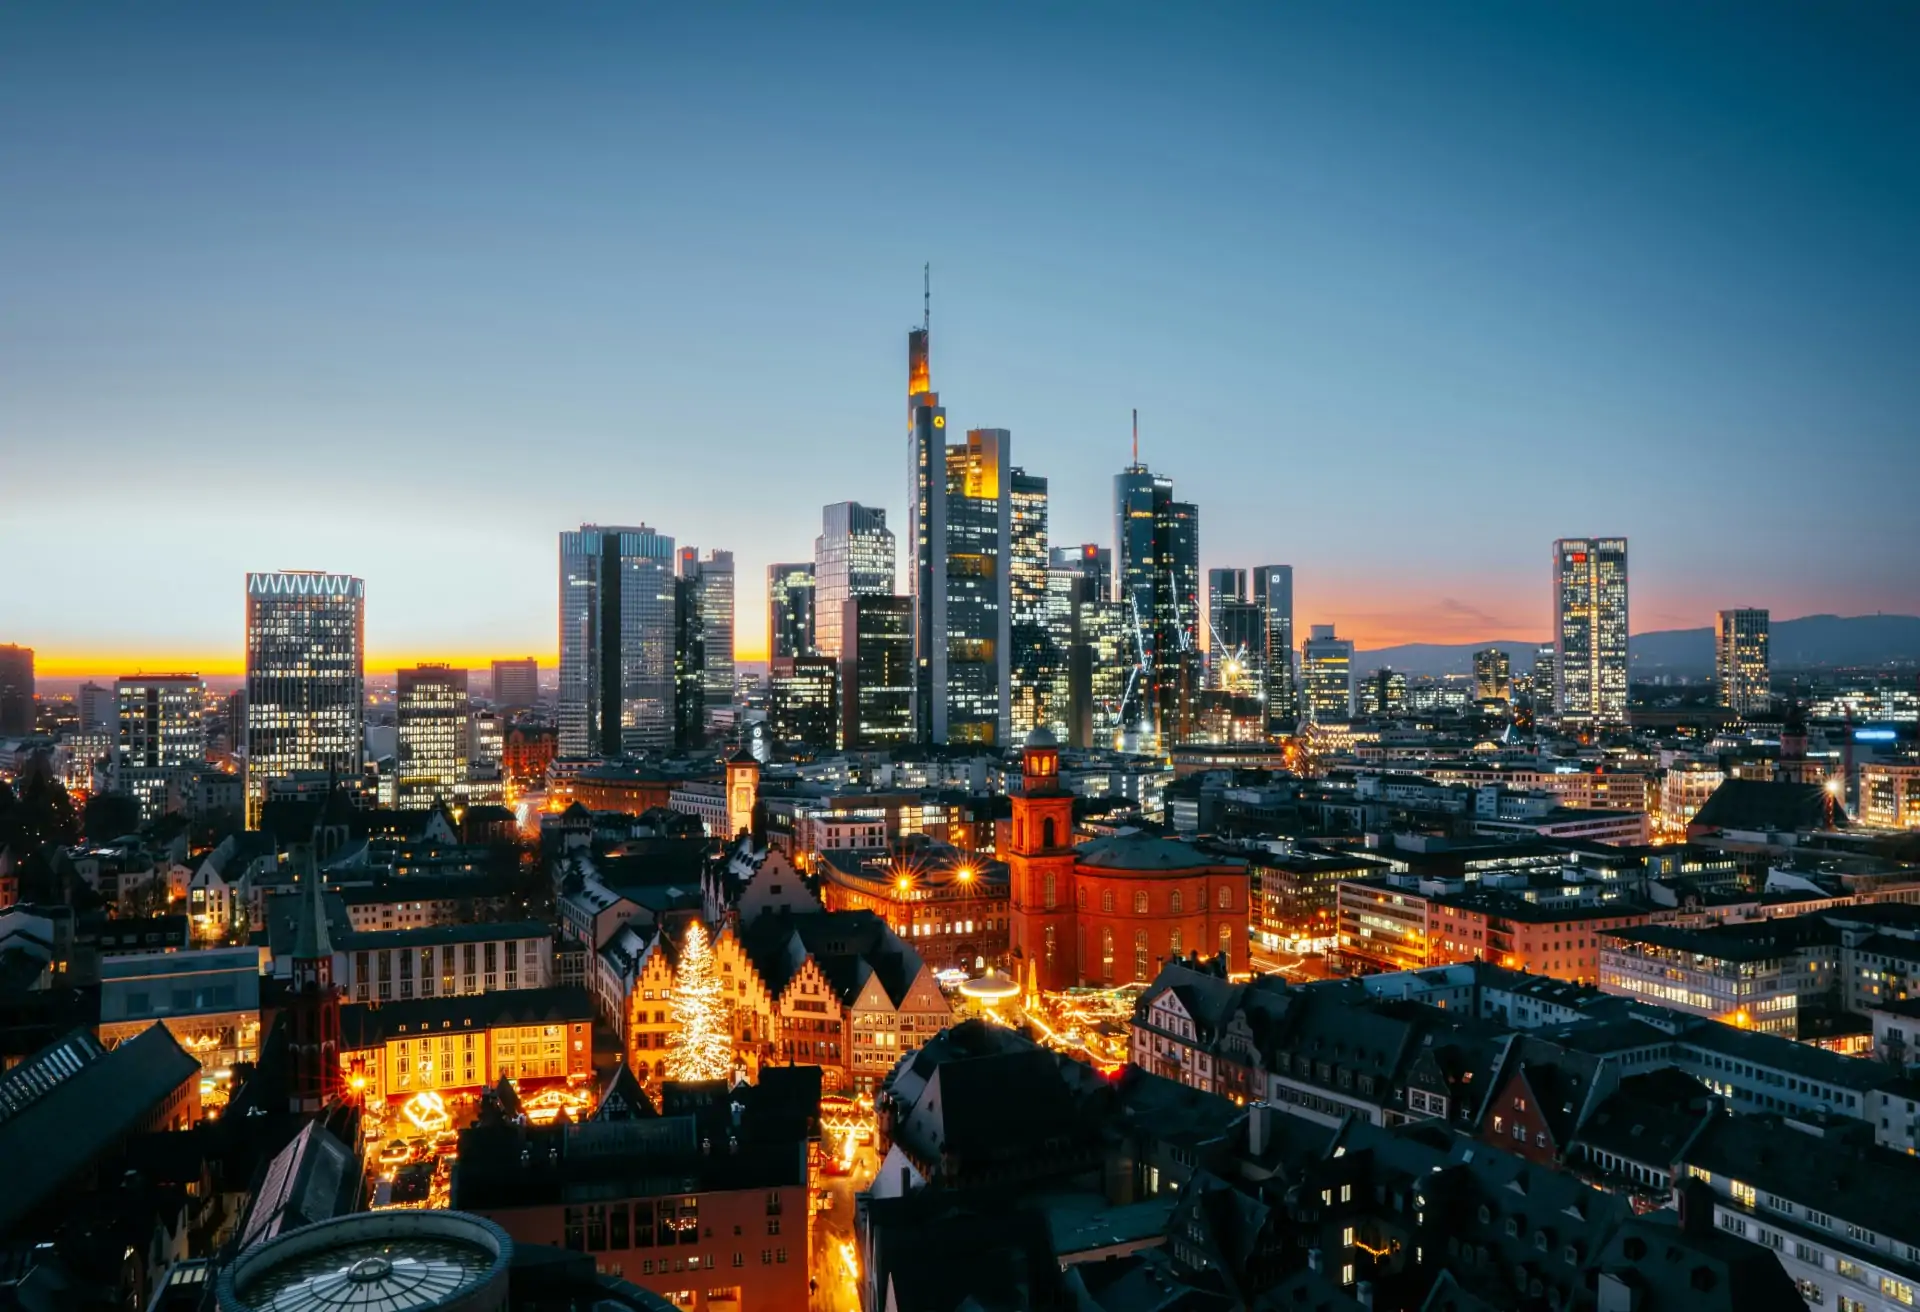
(1402, 291)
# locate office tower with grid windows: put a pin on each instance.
(516, 684)
(161, 731)
(1273, 595)
(790, 610)
(1590, 631)
(306, 678)
(712, 580)
(1156, 561)
(1326, 673)
(1742, 674)
(431, 717)
(1492, 676)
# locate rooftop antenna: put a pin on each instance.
(926, 296)
(1136, 435)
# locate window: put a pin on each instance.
(1742, 1193)
(1897, 1290)
(1106, 899)
(1860, 1234)
(1811, 1294)
(1176, 903)
(1173, 938)
(1140, 904)
(1047, 893)
(1048, 936)
(1140, 962)
(1346, 1193)
(1226, 898)
(1810, 1255)
(1106, 951)
(1346, 1273)
(1048, 837)
(1850, 1270)
(1226, 938)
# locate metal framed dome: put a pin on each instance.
(375, 1262)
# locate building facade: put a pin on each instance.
(1156, 560)
(306, 678)
(852, 557)
(1037, 664)
(712, 582)
(1492, 676)
(876, 671)
(431, 718)
(1326, 676)
(1742, 675)
(1590, 631)
(617, 641)
(790, 609)
(161, 732)
(516, 684)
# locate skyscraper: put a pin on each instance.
(160, 732)
(430, 712)
(16, 691)
(1273, 594)
(713, 583)
(306, 678)
(1156, 560)
(790, 610)
(1544, 684)
(803, 702)
(1091, 631)
(99, 708)
(1036, 664)
(516, 684)
(876, 671)
(616, 641)
(1492, 677)
(1223, 586)
(959, 526)
(689, 668)
(1742, 676)
(1590, 634)
(1326, 670)
(852, 557)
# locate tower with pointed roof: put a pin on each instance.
(743, 790)
(313, 1007)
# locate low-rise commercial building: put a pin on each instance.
(460, 1045)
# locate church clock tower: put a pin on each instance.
(1040, 864)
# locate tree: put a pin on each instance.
(701, 1048)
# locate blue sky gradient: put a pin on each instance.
(1402, 292)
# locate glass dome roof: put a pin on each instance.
(371, 1275)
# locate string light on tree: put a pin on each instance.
(702, 1047)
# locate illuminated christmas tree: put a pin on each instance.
(702, 1047)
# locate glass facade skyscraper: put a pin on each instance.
(431, 717)
(1273, 595)
(617, 635)
(852, 557)
(1037, 663)
(960, 534)
(1590, 635)
(712, 580)
(1156, 560)
(306, 678)
(790, 610)
(1742, 674)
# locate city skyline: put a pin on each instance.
(1350, 339)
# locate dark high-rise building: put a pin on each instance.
(16, 691)
(1590, 633)
(876, 671)
(516, 684)
(1384, 693)
(1037, 661)
(617, 641)
(306, 678)
(1273, 595)
(1742, 676)
(852, 557)
(1156, 560)
(689, 667)
(790, 610)
(803, 705)
(959, 528)
(713, 583)
(1545, 683)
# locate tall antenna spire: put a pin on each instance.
(926, 283)
(1136, 435)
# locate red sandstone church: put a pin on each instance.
(1111, 911)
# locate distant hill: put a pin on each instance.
(1808, 641)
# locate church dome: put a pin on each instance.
(1042, 737)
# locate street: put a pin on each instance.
(837, 1286)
